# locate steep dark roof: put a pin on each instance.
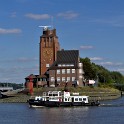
(66, 57)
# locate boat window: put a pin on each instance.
(50, 94)
(60, 94)
(76, 99)
(55, 94)
(44, 93)
(65, 99)
(84, 99)
(80, 99)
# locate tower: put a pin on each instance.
(48, 48)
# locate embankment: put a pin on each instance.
(93, 93)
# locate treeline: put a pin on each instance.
(14, 85)
(101, 74)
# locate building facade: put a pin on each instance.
(56, 67)
(67, 69)
(49, 46)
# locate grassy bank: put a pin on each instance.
(94, 93)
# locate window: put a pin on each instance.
(84, 99)
(73, 71)
(52, 79)
(63, 78)
(80, 64)
(63, 71)
(71, 64)
(68, 79)
(80, 76)
(58, 71)
(58, 79)
(44, 42)
(80, 99)
(59, 65)
(76, 99)
(51, 39)
(68, 71)
(47, 65)
(73, 78)
(80, 71)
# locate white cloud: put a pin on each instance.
(9, 31)
(24, 59)
(121, 70)
(110, 64)
(20, 60)
(86, 47)
(116, 21)
(38, 16)
(96, 58)
(68, 15)
(17, 73)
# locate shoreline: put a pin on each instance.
(101, 96)
(94, 93)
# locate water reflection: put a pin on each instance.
(63, 115)
(12, 113)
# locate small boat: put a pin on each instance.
(59, 98)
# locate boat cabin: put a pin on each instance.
(64, 97)
(38, 98)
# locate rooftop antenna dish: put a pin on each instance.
(45, 27)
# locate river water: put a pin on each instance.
(110, 112)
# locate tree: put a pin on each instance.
(93, 71)
(89, 73)
(117, 77)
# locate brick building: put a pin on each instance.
(56, 67)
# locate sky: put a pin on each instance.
(94, 27)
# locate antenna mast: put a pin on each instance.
(45, 27)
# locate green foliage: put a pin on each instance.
(102, 75)
(88, 69)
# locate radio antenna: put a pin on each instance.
(45, 27)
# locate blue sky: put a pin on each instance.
(94, 27)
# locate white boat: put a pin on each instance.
(61, 98)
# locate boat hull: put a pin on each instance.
(57, 104)
(59, 98)
(61, 104)
(36, 103)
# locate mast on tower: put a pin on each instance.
(45, 27)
